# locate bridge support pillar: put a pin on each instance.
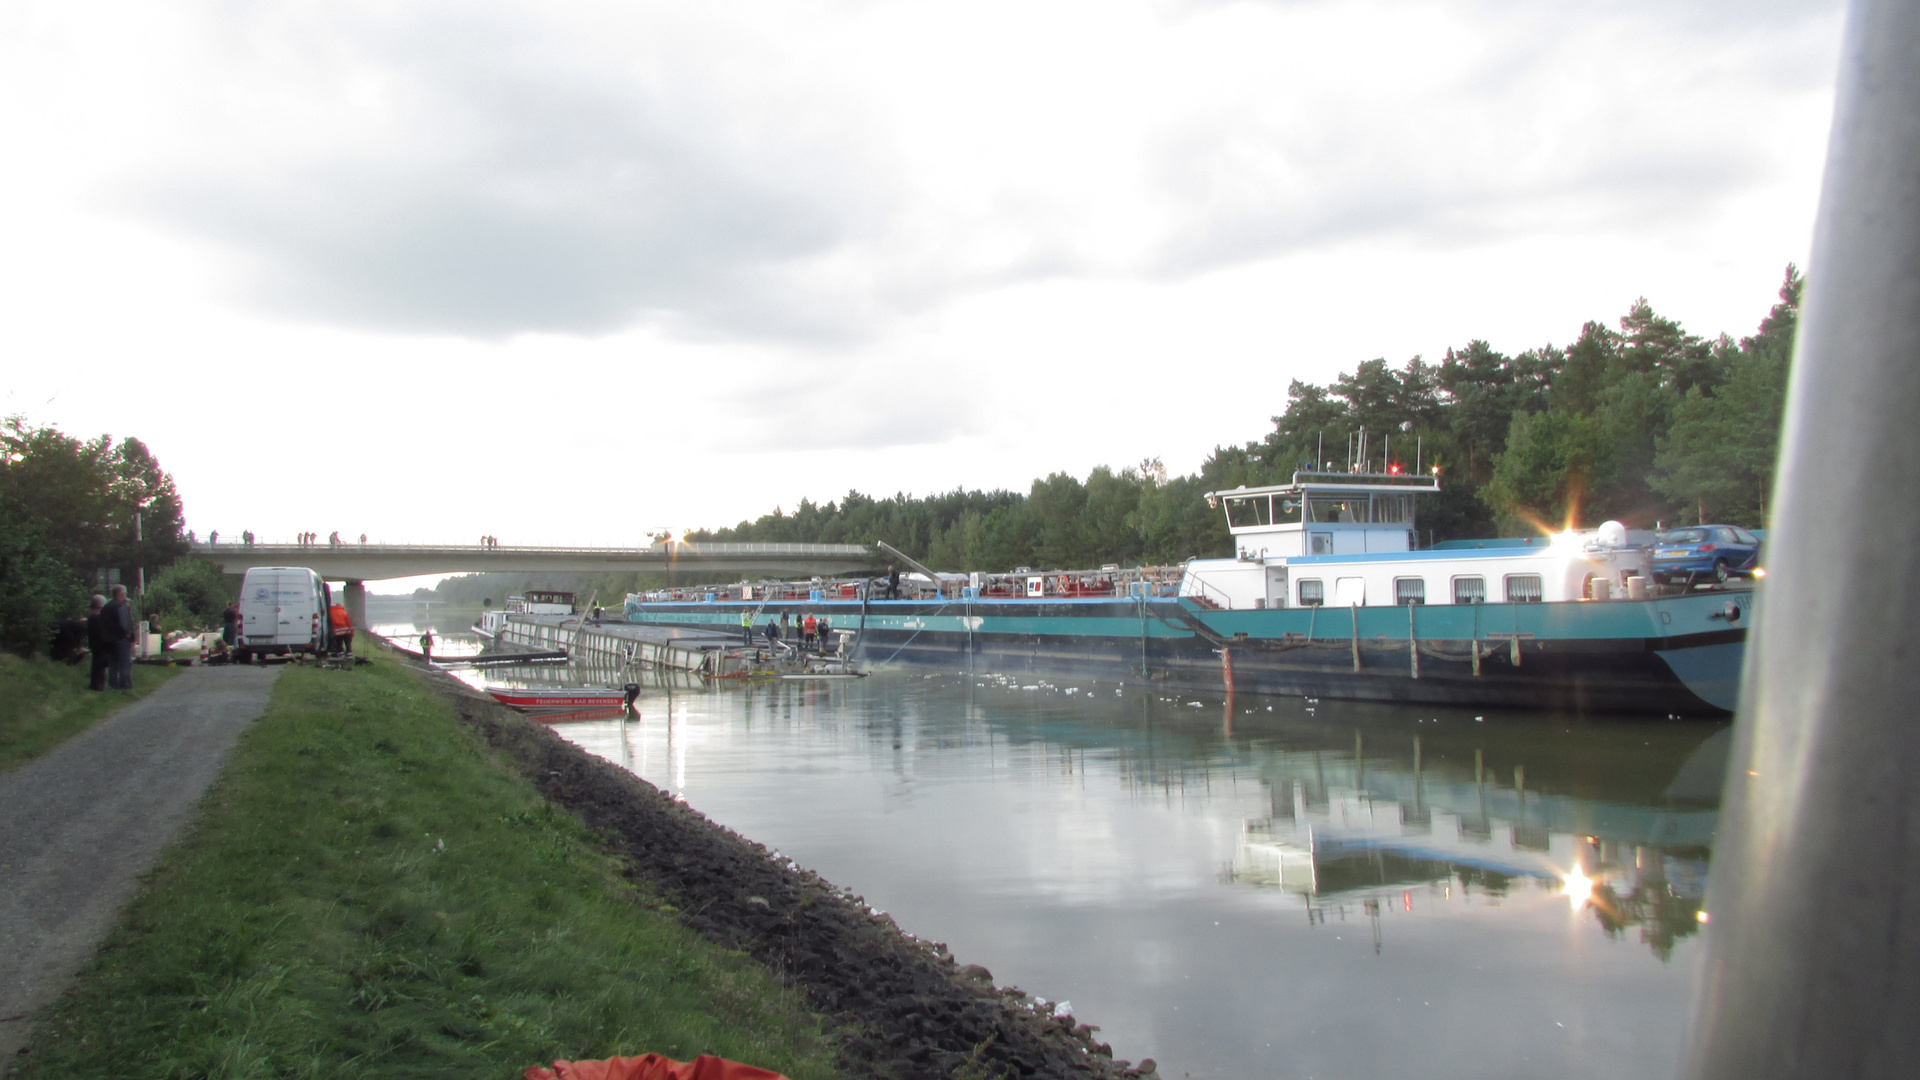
(355, 600)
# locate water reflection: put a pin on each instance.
(1250, 888)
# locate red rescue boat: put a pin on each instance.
(562, 697)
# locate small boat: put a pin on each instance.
(568, 716)
(563, 697)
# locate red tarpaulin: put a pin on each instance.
(651, 1067)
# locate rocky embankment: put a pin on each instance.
(902, 1007)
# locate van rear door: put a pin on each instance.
(292, 613)
(259, 606)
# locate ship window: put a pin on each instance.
(1313, 592)
(1393, 509)
(1469, 590)
(1523, 588)
(1336, 508)
(1243, 512)
(1409, 590)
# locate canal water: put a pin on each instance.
(1256, 887)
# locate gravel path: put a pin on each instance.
(79, 825)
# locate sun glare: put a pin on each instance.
(1578, 887)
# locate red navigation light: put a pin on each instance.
(1393, 468)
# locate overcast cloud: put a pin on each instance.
(836, 228)
(490, 169)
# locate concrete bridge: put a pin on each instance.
(360, 563)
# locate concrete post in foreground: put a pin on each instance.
(1813, 958)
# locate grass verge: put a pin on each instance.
(43, 704)
(369, 893)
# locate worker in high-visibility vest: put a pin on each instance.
(746, 625)
(342, 627)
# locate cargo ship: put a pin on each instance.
(1326, 595)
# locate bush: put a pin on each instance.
(189, 595)
(35, 587)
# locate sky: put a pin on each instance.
(569, 273)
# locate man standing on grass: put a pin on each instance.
(342, 627)
(426, 646)
(116, 620)
(99, 646)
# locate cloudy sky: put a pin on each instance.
(569, 272)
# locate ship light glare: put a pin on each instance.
(1759, 571)
(1578, 887)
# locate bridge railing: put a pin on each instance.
(677, 550)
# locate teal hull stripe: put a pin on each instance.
(1603, 620)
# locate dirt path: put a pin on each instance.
(84, 821)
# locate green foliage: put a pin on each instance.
(1550, 459)
(66, 511)
(189, 595)
(370, 894)
(1717, 459)
(43, 703)
(35, 587)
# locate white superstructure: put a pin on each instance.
(1343, 539)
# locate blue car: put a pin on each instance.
(1722, 552)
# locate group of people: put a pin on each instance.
(110, 641)
(816, 634)
(308, 539)
(489, 541)
(246, 537)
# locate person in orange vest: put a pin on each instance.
(808, 628)
(342, 627)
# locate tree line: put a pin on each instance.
(1644, 423)
(67, 527)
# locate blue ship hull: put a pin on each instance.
(1679, 655)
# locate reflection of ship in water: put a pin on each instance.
(1349, 833)
(584, 671)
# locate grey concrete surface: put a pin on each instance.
(79, 825)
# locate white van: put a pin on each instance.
(283, 609)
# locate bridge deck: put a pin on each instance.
(373, 562)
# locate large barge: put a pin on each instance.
(1325, 596)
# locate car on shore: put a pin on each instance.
(1720, 552)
